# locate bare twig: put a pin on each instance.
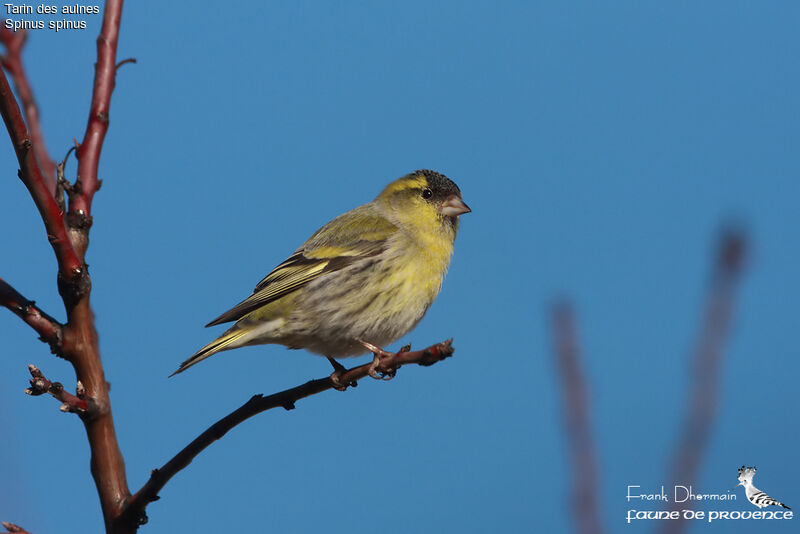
(125, 62)
(135, 509)
(62, 184)
(577, 421)
(12, 62)
(49, 330)
(70, 403)
(706, 361)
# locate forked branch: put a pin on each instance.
(69, 403)
(69, 236)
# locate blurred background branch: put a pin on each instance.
(577, 420)
(706, 365)
(701, 406)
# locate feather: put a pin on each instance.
(326, 251)
(223, 342)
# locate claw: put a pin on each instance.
(376, 370)
(336, 376)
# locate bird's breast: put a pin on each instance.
(378, 299)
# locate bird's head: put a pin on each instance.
(746, 475)
(424, 197)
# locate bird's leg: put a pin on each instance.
(336, 376)
(378, 370)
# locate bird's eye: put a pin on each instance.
(427, 193)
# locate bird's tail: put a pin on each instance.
(226, 341)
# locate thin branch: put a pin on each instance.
(135, 509)
(88, 154)
(706, 362)
(11, 527)
(125, 62)
(577, 421)
(70, 403)
(62, 184)
(70, 268)
(50, 331)
(12, 61)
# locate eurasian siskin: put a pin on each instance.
(370, 274)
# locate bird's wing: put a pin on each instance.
(355, 235)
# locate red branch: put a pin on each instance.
(135, 509)
(88, 153)
(49, 330)
(70, 403)
(69, 266)
(706, 361)
(577, 422)
(12, 61)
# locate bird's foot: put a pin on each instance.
(379, 369)
(336, 376)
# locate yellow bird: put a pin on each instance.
(368, 275)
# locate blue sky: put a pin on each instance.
(601, 148)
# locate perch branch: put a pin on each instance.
(134, 512)
(70, 403)
(49, 330)
(577, 421)
(12, 62)
(706, 363)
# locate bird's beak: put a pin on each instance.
(737, 485)
(453, 207)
